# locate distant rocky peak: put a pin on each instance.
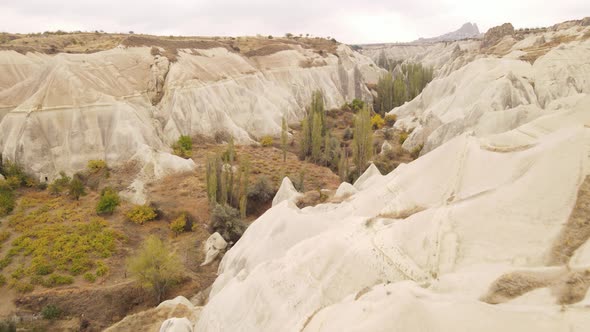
(467, 30)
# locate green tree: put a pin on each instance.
(316, 138)
(399, 92)
(243, 187)
(212, 183)
(384, 101)
(76, 188)
(362, 142)
(284, 137)
(155, 267)
(108, 202)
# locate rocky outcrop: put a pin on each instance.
(159, 71)
(495, 34)
(176, 315)
(286, 192)
(59, 111)
(214, 245)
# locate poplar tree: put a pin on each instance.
(284, 138)
(362, 142)
(316, 138)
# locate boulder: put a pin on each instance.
(177, 325)
(214, 245)
(286, 192)
(386, 146)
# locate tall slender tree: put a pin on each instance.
(284, 137)
(363, 139)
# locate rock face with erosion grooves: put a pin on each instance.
(131, 103)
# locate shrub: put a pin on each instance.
(50, 312)
(59, 184)
(183, 147)
(15, 171)
(76, 188)
(403, 136)
(7, 326)
(357, 105)
(141, 213)
(155, 267)
(109, 200)
(179, 224)
(348, 135)
(415, 153)
(96, 165)
(57, 280)
(266, 141)
(21, 287)
(262, 191)
(390, 119)
(101, 269)
(377, 122)
(90, 277)
(7, 199)
(226, 221)
(2, 280)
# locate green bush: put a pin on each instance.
(266, 141)
(262, 191)
(14, 173)
(101, 269)
(108, 202)
(179, 224)
(60, 184)
(226, 221)
(2, 280)
(96, 165)
(57, 280)
(50, 312)
(357, 105)
(76, 188)
(140, 214)
(183, 147)
(90, 277)
(7, 199)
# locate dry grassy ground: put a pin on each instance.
(90, 42)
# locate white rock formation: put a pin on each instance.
(286, 192)
(488, 95)
(59, 111)
(386, 146)
(422, 248)
(214, 245)
(177, 325)
(368, 177)
(345, 190)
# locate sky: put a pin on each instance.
(348, 21)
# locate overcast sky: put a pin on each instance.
(346, 20)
